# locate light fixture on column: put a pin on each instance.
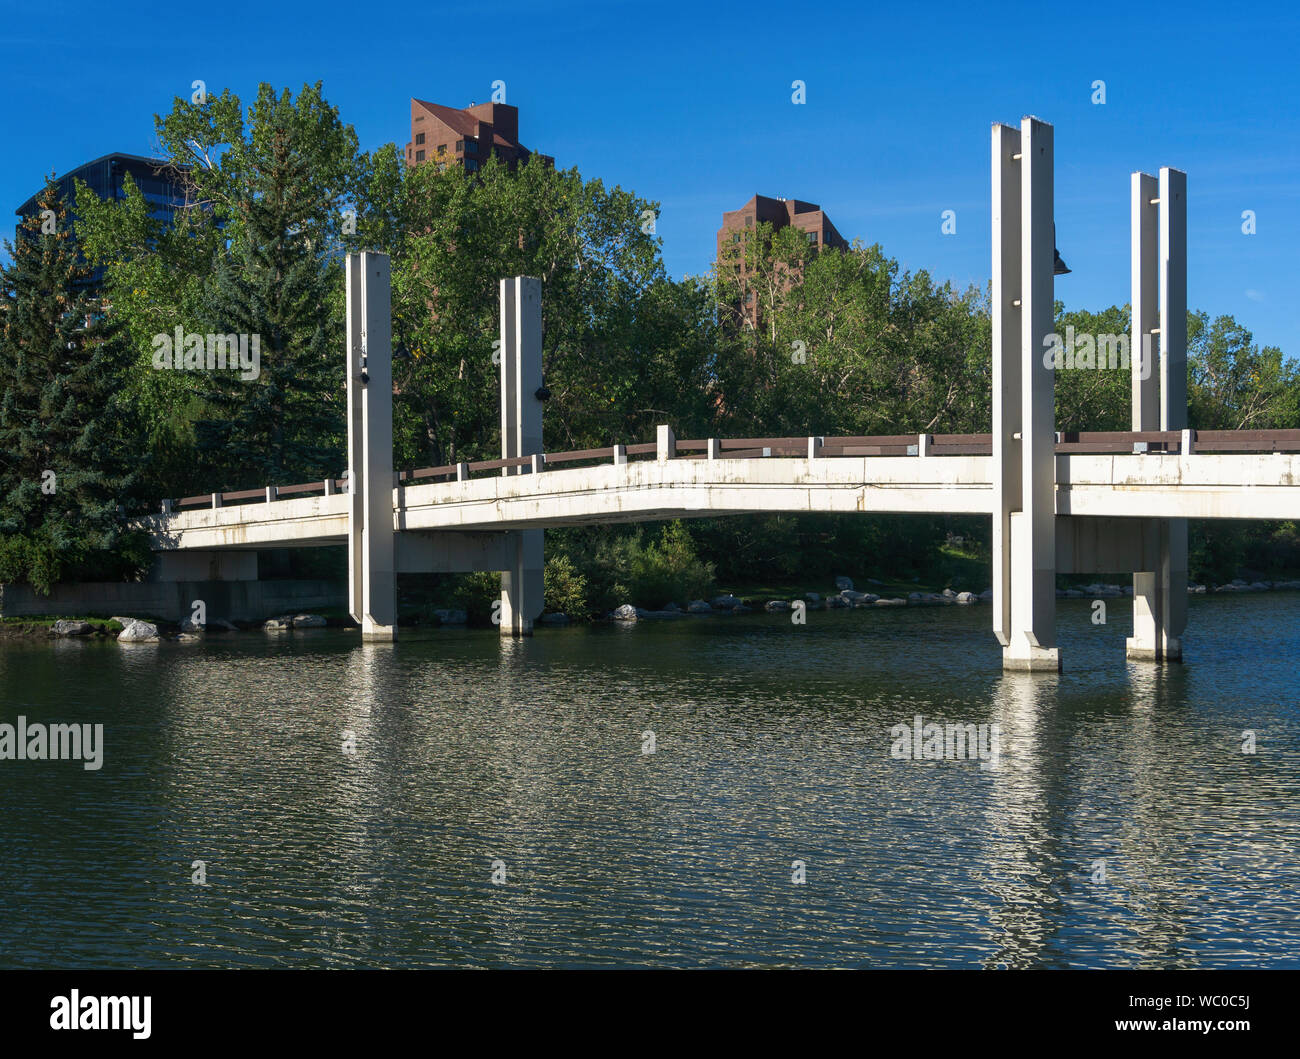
(1059, 267)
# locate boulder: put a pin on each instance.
(773, 606)
(842, 583)
(890, 603)
(278, 624)
(698, 606)
(812, 597)
(967, 597)
(854, 598)
(948, 593)
(136, 631)
(987, 595)
(726, 602)
(308, 621)
(189, 637)
(836, 603)
(452, 616)
(71, 628)
(626, 612)
(189, 625)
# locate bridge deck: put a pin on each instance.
(1197, 485)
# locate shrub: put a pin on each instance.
(566, 588)
(475, 595)
(669, 570)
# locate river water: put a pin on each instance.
(495, 803)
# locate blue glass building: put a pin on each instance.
(161, 183)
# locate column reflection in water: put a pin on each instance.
(1024, 863)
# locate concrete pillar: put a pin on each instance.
(1024, 526)
(665, 443)
(372, 586)
(522, 584)
(1005, 316)
(1160, 401)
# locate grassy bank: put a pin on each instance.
(40, 625)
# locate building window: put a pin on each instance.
(419, 156)
(471, 147)
(460, 146)
(749, 222)
(442, 167)
(419, 137)
(470, 164)
(735, 237)
(812, 237)
(442, 148)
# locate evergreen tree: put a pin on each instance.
(279, 279)
(63, 430)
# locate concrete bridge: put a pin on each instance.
(1060, 503)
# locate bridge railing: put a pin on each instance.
(927, 445)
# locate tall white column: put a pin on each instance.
(1160, 401)
(522, 583)
(372, 587)
(1032, 634)
(1005, 311)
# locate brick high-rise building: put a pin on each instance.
(466, 137)
(807, 217)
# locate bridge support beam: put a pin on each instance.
(522, 582)
(1159, 386)
(372, 582)
(223, 565)
(1024, 435)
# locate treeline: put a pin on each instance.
(846, 342)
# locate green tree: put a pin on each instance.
(65, 459)
(1233, 384)
(465, 232)
(279, 186)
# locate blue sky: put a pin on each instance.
(690, 105)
